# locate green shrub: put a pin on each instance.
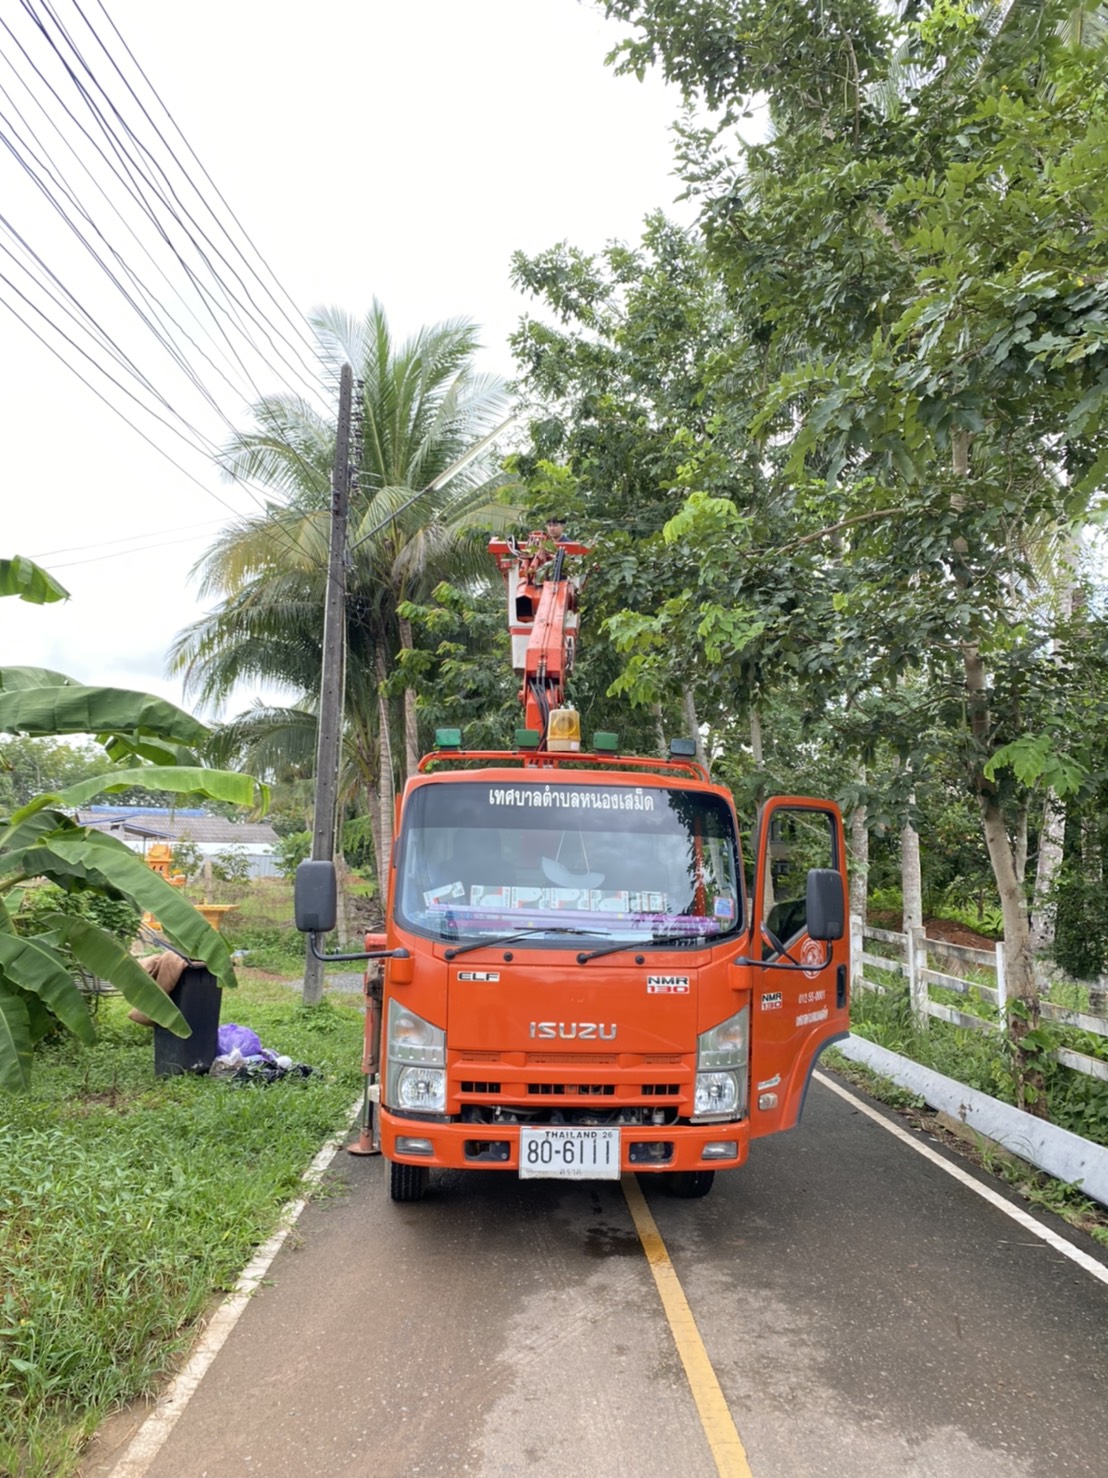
(1080, 924)
(291, 851)
(116, 915)
(278, 950)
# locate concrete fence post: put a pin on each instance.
(916, 952)
(1001, 987)
(857, 944)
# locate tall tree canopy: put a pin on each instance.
(911, 327)
(421, 407)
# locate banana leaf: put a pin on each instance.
(92, 860)
(29, 825)
(105, 956)
(34, 966)
(221, 785)
(143, 747)
(76, 709)
(14, 679)
(104, 861)
(15, 1042)
(22, 577)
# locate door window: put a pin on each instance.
(800, 838)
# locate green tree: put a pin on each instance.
(422, 410)
(920, 250)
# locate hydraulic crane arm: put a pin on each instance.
(542, 619)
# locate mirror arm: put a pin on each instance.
(376, 954)
(771, 965)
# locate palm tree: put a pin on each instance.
(422, 408)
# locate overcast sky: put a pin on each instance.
(402, 151)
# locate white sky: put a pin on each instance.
(397, 150)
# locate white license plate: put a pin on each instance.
(569, 1154)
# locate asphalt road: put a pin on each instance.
(865, 1316)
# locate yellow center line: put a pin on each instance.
(715, 1416)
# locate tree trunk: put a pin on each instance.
(1019, 965)
(1020, 841)
(411, 717)
(756, 737)
(1019, 961)
(859, 863)
(343, 926)
(380, 859)
(688, 702)
(659, 728)
(1053, 827)
(385, 783)
(911, 877)
(1051, 834)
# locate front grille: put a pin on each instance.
(480, 1087)
(578, 1090)
(577, 1059)
(661, 1090)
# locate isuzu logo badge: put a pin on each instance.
(571, 1031)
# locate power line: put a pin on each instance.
(133, 179)
(118, 554)
(125, 539)
(297, 320)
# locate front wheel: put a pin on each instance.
(407, 1182)
(690, 1185)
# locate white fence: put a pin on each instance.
(913, 963)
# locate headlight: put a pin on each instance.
(421, 1089)
(721, 1069)
(415, 1063)
(717, 1096)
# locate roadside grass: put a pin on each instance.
(978, 1059)
(1032, 1185)
(127, 1202)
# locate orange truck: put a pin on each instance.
(579, 977)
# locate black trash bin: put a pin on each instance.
(198, 998)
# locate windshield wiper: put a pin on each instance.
(461, 949)
(610, 949)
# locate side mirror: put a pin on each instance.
(825, 904)
(315, 897)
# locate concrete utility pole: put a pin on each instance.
(329, 743)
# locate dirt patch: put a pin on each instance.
(954, 933)
(947, 930)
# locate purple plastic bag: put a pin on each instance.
(231, 1036)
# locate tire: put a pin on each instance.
(407, 1182)
(690, 1185)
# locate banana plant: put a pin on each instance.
(151, 743)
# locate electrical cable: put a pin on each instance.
(125, 539)
(297, 319)
(134, 193)
(42, 170)
(135, 173)
(148, 185)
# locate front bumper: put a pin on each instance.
(643, 1148)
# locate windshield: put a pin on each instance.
(548, 862)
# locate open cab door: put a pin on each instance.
(797, 954)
